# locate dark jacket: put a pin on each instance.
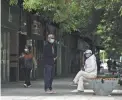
(48, 54)
(21, 62)
(27, 61)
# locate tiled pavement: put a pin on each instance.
(15, 91)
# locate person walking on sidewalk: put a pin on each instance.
(49, 57)
(27, 61)
(90, 71)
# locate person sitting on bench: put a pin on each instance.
(90, 71)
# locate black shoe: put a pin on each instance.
(94, 94)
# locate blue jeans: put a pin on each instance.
(48, 76)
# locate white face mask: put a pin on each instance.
(52, 40)
(26, 50)
(87, 55)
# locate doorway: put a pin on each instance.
(22, 43)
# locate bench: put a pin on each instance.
(103, 86)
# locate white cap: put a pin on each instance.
(88, 51)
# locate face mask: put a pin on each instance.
(26, 50)
(52, 40)
(88, 55)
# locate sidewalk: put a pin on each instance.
(16, 91)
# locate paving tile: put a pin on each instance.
(102, 98)
(38, 98)
(70, 97)
(118, 98)
(79, 97)
(14, 98)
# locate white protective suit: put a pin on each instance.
(90, 72)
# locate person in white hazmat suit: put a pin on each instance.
(89, 72)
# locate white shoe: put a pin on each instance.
(50, 92)
(53, 92)
(25, 85)
(76, 91)
(29, 86)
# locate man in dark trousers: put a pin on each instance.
(109, 63)
(49, 60)
(98, 65)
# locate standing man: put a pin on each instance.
(109, 63)
(98, 65)
(90, 71)
(114, 65)
(49, 60)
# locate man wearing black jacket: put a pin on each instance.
(49, 60)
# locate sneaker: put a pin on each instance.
(50, 92)
(53, 92)
(25, 85)
(77, 91)
(29, 86)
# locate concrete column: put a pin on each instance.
(59, 55)
(0, 46)
(34, 53)
(4, 57)
(17, 48)
(59, 61)
(8, 57)
(82, 60)
(67, 56)
(4, 62)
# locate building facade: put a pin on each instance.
(19, 29)
(9, 41)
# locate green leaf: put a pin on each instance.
(13, 2)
